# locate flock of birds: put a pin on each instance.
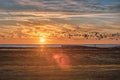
(87, 35)
(80, 35)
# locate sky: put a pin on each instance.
(60, 21)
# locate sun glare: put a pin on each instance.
(42, 40)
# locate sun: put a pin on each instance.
(42, 40)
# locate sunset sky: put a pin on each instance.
(60, 21)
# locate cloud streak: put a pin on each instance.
(60, 19)
(61, 5)
(53, 30)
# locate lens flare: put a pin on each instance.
(62, 61)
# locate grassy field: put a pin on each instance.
(66, 63)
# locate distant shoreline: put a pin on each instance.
(57, 45)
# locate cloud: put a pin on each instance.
(101, 20)
(61, 5)
(53, 30)
(60, 19)
(30, 18)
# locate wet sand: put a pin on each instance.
(66, 63)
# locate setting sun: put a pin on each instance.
(42, 40)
